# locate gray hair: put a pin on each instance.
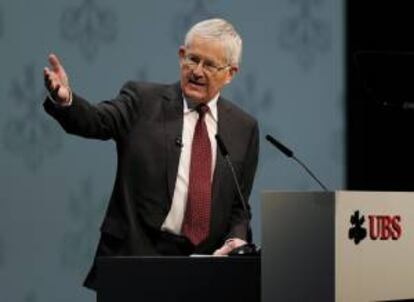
(218, 29)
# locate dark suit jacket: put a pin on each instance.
(145, 121)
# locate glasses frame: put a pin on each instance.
(193, 61)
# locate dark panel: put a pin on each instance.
(380, 155)
(154, 279)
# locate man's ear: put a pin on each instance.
(181, 52)
(181, 55)
(231, 74)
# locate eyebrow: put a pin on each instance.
(210, 60)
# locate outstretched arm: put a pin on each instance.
(105, 120)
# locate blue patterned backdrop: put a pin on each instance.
(54, 187)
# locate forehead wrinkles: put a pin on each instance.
(208, 49)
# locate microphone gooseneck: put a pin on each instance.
(289, 153)
(225, 154)
(248, 249)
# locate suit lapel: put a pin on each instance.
(173, 123)
(223, 122)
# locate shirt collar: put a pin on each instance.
(189, 106)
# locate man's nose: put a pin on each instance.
(198, 70)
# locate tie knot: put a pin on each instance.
(202, 109)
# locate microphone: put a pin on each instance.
(179, 142)
(247, 249)
(289, 153)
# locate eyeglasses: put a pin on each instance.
(209, 67)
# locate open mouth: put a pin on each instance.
(196, 83)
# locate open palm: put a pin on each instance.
(56, 80)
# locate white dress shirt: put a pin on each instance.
(175, 217)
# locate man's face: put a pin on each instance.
(204, 69)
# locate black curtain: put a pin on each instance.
(380, 152)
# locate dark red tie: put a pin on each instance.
(196, 224)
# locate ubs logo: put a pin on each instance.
(380, 227)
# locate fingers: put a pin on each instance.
(228, 246)
(55, 62)
(52, 84)
(56, 80)
(224, 250)
(56, 71)
(47, 79)
(50, 79)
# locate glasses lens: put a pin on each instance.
(209, 67)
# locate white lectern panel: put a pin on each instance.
(380, 266)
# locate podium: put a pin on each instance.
(337, 246)
(181, 279)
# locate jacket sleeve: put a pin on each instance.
(105, 120)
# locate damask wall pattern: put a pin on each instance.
(27, 133)
(89, 24)
(55, 187)
(304, 33)
(257, 101)
(194, 12)
(79, 241)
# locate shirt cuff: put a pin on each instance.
(67, 104)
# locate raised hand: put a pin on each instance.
(56, 81)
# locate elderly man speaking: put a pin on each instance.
(173, 193)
